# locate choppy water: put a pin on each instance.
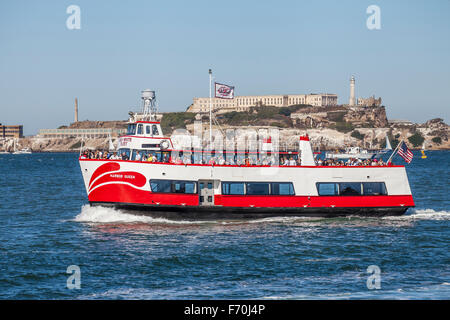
(47, 226)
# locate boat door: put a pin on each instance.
(206, 192)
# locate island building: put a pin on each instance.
(15, 131)
(243, 103)
(369, 102)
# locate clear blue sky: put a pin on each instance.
(260, 47)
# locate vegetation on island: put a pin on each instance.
(437, 140)
(175, 120)
(416, 139)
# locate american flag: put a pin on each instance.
(405, 153)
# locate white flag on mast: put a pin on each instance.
(223, 91)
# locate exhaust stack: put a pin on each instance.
(306, 154)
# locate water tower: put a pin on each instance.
(148, 105)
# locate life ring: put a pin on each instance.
(164, 145)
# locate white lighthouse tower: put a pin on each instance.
(352, 91)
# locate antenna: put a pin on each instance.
(148, 104)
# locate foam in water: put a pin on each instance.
(423, 214)
(100, 214)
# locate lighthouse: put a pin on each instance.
(352, 92)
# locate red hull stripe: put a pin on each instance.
(122, 193)
(131, 177)
(107, 167)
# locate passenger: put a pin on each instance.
(138, 156)
(125, 156)
(292, 162)
(221, 161)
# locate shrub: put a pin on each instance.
(358, 135)
(176, 120)
(343, 126)
(437, 140)
(416, 139)
(76, 145)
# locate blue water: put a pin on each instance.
(46, 226)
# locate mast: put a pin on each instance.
(210, 108)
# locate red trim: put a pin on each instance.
(148, 137)
(109, 166)
(314, 201)
(304, 138)
(131, 177)
(154, 122)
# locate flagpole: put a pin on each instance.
(393, 153)
(210, 108)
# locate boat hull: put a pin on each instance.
(215, 212)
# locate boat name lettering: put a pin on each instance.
(120, 176)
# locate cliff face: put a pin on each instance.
(374, 117)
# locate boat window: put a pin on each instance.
(282, 188)
(140, 129)
(374, 188)
(236, 188)
(350, 189)
(126, 151)
(173, 186)
(131, 129)
(183, 187)
(147, 129)
(155, 130)
(257, 188)
(160, 185)
(327, 189)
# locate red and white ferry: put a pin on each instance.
(197, 188)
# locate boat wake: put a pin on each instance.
(105, 215)
(422, 214)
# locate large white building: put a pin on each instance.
(242, 103)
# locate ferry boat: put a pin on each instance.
(359, 153)
(186, 184)
(23, 151)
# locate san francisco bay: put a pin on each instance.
(48, 225)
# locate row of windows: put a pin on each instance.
(149, 129)
(351, 189)
(272, 188)
(258, 188)
(228, 188)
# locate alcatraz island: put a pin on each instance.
(362, 122)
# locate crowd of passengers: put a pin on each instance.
(265, 160)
